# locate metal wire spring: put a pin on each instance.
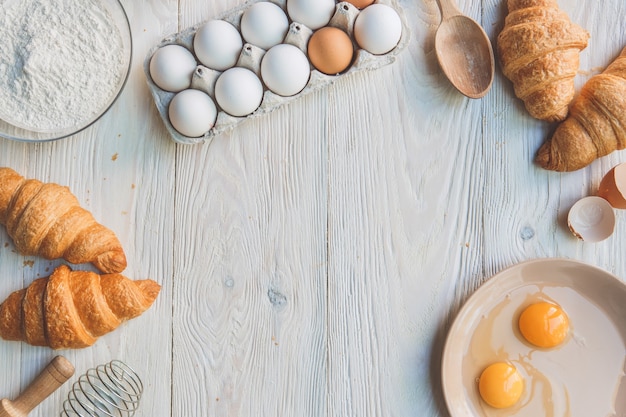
(110, 390)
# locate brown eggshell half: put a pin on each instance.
(613, 187)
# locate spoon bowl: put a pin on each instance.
(464, 52)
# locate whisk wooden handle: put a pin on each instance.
(52, 377)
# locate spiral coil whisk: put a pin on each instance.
(109, 390)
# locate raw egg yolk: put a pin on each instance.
(544, 324)
(500, 385)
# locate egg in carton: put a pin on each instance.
(209, 118)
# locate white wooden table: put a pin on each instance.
(313, 259)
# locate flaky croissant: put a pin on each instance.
(539, 52)
(596, 125)
(71, 309)
(45, 219)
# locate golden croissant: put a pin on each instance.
(539, 51)
(71, 309)
(596, 125)
(46, 219)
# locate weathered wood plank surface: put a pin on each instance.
(311, 260)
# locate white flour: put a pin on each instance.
(60, 62)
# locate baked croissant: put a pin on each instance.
(539, 52)
(71, 309)
(47, 220)
(596, 125)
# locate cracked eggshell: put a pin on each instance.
(591, 219)
(613, 186)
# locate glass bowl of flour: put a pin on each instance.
(63, 63)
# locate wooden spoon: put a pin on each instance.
(52, 377)
(464, 52)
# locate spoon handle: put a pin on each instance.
(448, 9)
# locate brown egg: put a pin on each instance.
(330, 50)
(360, 4)
(613, 186)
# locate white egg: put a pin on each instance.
(171, 67)
(192, 113)
(238, 91)
(217, 44)
(312, 13)
(264, 24)
(378, 29)
(285, 70)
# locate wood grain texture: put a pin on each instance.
(313, 259)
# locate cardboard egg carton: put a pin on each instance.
(298, 35)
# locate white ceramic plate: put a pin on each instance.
(584, 376)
